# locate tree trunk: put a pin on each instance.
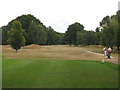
(16, 50)
(118, 48)
(77, 45)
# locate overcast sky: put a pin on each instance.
(59, 13)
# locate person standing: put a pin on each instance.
(105, 55)
(109, 51)
(105, 51)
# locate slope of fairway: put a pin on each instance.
(43, 73)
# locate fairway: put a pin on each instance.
(59, 74)
(56, 52)
(57, 67)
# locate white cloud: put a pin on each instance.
(59, 13)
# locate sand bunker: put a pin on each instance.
(32, 46)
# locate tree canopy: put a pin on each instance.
(110, 31)
(34, 31)
(71, 33)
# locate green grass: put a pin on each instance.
(59, 74)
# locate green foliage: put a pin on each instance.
(105, 21)
(54, 37)
(76, 35)
(26, 21)
(110, 32)
(15, 36)
(71, 34)
(37, 34)
(32, 24)
(97, 29)
(97, 35)
(86, 38)
(118, 31)
(34, 31)
(4, 34)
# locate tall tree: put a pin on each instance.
(97, 34)
(118, 31)
(110, 31)
(71, 34)
(15, 36)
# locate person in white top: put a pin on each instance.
(105, 51)
(105, 54)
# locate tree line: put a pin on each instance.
(33, 31)
(107, 34)
(27, 29)
(76, 35)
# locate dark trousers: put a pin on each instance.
(109, 56)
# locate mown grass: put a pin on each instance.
(43, 73)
